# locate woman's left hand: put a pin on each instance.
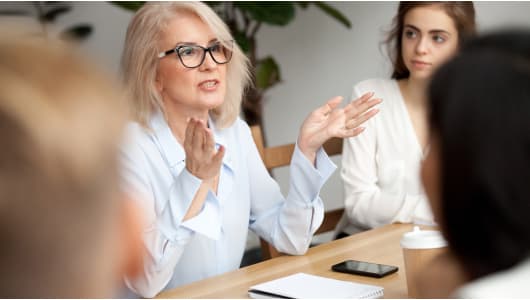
(330, 121)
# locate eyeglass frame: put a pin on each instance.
(205, 49)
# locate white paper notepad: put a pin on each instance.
(301, 285)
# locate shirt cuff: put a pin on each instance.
(306, 179)
(181, 196)
(208, 222)
(324, 164)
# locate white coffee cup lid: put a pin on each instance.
(423, 239)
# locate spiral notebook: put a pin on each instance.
(302, 285)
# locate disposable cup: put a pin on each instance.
(419, 248)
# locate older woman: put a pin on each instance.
(193, 160)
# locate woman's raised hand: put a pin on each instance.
(330, 121)
(202, 159)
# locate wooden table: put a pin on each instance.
(379, 245)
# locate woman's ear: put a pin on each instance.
(131, 236)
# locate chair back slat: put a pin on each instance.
(279, 156)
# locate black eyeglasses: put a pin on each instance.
(192, 56)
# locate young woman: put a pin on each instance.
(380, 169)
(193, 161)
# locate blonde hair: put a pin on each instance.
(140, 60)
(60, 125)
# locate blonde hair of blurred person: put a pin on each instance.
(380, 168)
(66, 232)
(193, 159)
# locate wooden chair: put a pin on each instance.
(280, 156)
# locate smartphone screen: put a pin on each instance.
(364, 268)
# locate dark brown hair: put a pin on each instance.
(461, 12)
(485, 166)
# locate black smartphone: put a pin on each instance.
(364, 268)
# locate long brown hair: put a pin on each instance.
(461, 12)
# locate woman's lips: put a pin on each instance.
(420, 64)
(209, 85)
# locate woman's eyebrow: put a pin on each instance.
(430, 31)
(186, 43)
(194, 43)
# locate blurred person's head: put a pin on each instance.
(477, 172)
(65, 229)
(157, 67)
(425, 34)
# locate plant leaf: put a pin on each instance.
(267, 73)
(52, 14)
(129, 5)
(77, 32)
(272, 13)
(242, 41)
(334, 13)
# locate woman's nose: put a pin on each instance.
(208, 62)
(422, 46)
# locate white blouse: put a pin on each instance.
(179, 252)
(381, 166)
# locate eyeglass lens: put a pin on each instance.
(193, 56)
